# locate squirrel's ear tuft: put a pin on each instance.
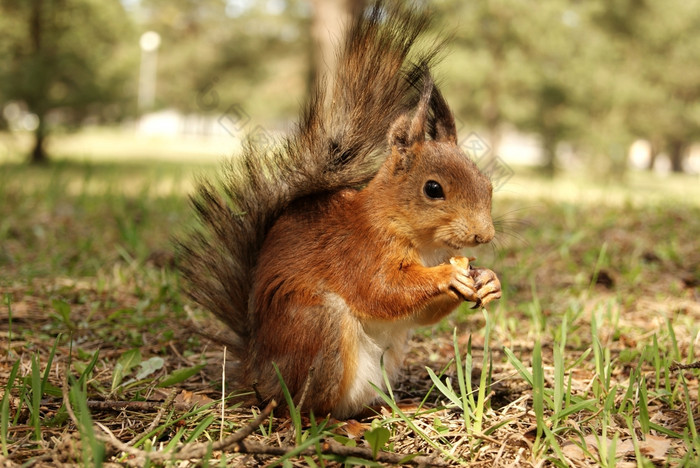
(441, 126)
(406, 133)
(420, 118)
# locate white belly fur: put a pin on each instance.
(375, 341)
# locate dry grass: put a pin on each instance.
(608, 279)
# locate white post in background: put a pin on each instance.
(149, 42)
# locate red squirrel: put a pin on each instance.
(323, 252)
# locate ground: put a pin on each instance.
(589, 356)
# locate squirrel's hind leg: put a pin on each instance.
(305, 343)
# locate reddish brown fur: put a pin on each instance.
(364, 247)
(310, 273)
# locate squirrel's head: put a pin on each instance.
(444, 200)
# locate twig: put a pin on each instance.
(223, 394)
(291, 436)
(677, 366)
(189, 451)
(120, 405)
(166, 404)
(258, 396)
(242, 433)
(109, 438)
(236, 443)
(334, 448)
(307, 384)
(113, 405)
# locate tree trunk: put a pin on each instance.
(549, 151)
(676, 151)
(654, 150)
(38, 154)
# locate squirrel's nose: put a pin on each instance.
(486, 235)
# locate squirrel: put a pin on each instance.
(322, 253)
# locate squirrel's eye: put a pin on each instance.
(433, 190)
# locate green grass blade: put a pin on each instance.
(5, 408)
(444, 389)
(515, 362)
(416, 430)
(293, 413)
(385, 378)
(674, 341)
(586, 405)
(201, 427)
(36, 397)
(538, 387)
(635, 442)
(463, 381)
(484, 381)
(558, 385)
(180, 375)
(596, 268)
(8, 302)
(643, 408)
(93, 449)
(580, 360)
(49, 362)
(689, 405)
(87, 372)
(552, 441)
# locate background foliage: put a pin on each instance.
(587, 78)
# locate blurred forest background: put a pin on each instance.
(555, 83)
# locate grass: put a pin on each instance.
(575, 366)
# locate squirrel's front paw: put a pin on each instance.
(487, 284)
(462, 286)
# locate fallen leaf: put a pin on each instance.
(574, 451)
(655, 447)
(190, 399)
(354, 429)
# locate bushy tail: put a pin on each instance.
(340, 142)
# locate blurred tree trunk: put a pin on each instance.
(38, 154)
(329, 23)
(654, 150)
(676, 152)
(549, 152)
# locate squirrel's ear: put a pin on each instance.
(405, 132)
(420, 118)
(402, 158)
(398, 133)
(442, 123)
